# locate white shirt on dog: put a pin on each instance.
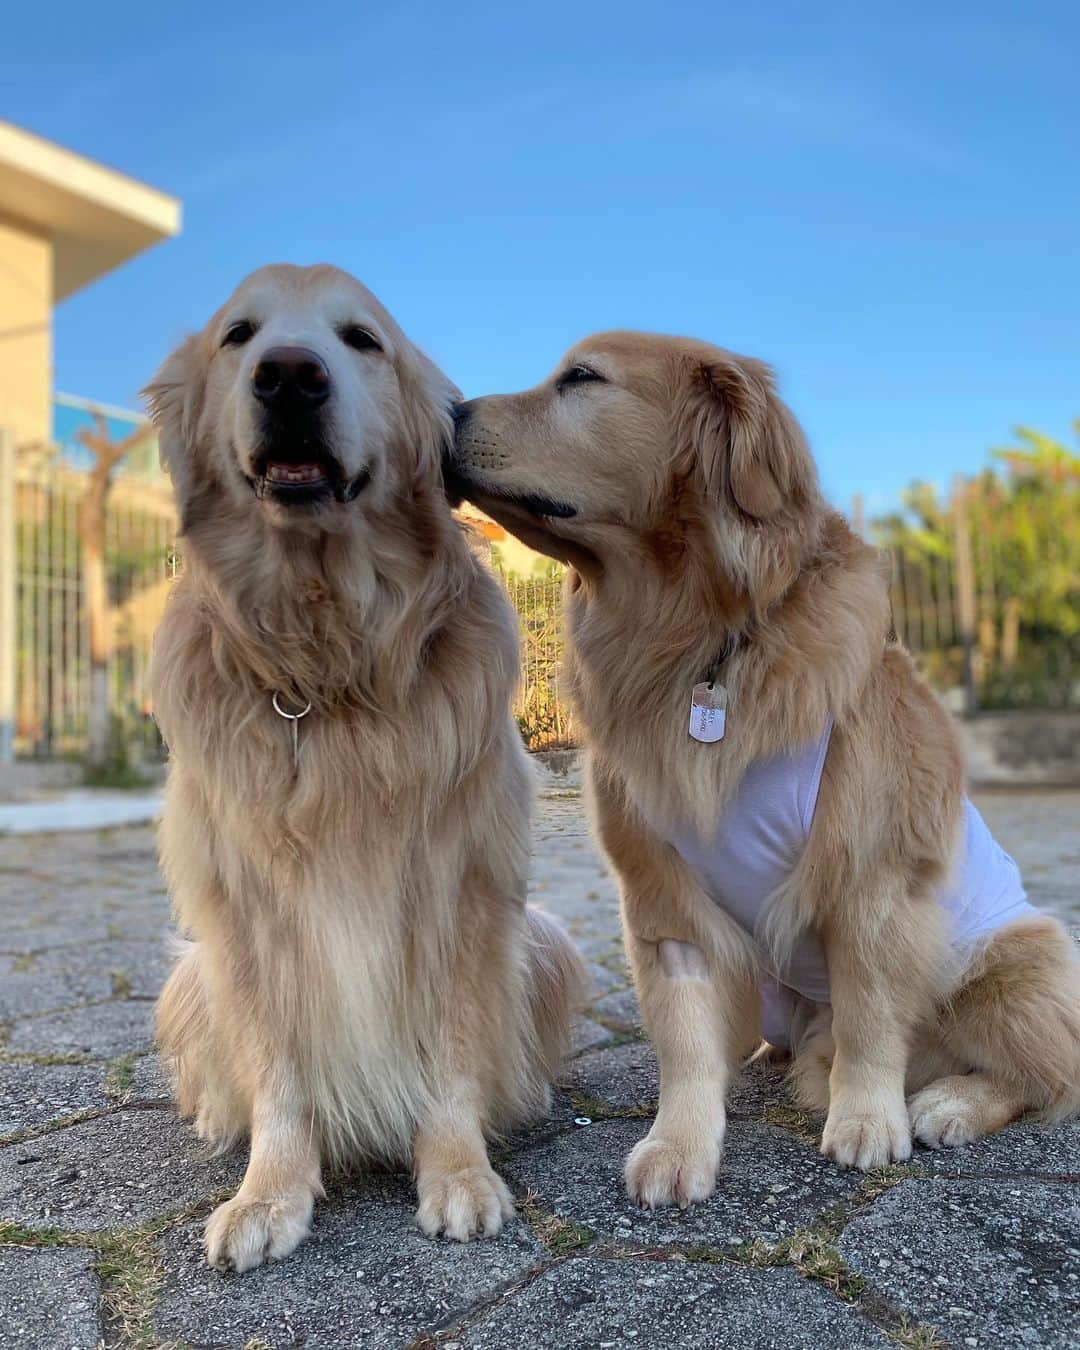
(760, 839)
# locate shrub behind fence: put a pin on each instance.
(541, 709)
(986, 589)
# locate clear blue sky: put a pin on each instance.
(882, 199)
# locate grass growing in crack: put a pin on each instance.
(121, 984)
(793, 1119)
(585, 1104)
(811, 1252)
(914, 1336)
(22, 963)
(557, 1234)
(18, 1235)
(131, 1274)
(126, 1262)
(704, 1255)
(53, 1126)
(19, 1057)
(120, 1077)
(758, 1253)
(883, 1179)
(872, 1187)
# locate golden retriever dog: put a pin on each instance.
(777, 790)
(346, 823)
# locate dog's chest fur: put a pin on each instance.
(331, 890)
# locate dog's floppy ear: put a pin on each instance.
(173, 399)
(743, 441)
(428, 401)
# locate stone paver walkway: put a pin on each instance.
(103, 1192)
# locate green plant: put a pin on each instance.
(118, 769)
(1018, 573)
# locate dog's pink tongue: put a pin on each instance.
(294, 473)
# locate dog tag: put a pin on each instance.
(708, 712)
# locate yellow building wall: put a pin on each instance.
(25, 333)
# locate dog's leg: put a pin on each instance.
(692, 1014)
(693, 973)
(963, 1107)
(460, 1193)
(878, 998)
(1015, 1022)
(271, 1213)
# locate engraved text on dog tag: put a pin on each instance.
(708, 712)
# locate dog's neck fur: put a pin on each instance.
(305, 613)
(784, 676)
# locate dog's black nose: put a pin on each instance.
(290, 375)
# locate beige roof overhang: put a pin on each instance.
(95, 217)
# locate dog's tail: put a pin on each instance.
(182, 1026)
(557, 988)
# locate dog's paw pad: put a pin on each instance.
(661, 1172)
(472, 1202)
(242, 1234)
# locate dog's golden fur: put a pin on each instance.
(679, 489)
(364, 980)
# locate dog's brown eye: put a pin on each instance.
(580, 375)
(360, 339)
(238, 334)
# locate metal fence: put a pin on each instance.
(541, 709)
(988, 600)
(50, 642)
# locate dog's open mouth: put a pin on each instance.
(293, 475)
(304, 477)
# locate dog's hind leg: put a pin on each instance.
(196, 1069)
(962, 1107)
(1015, 1024)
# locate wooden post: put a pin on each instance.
(92, 525)
(964, 581)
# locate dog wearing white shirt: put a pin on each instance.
(779, 793)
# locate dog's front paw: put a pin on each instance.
(867, 1140)
(243, 1233)
(471, 1202)
(662, 1171)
